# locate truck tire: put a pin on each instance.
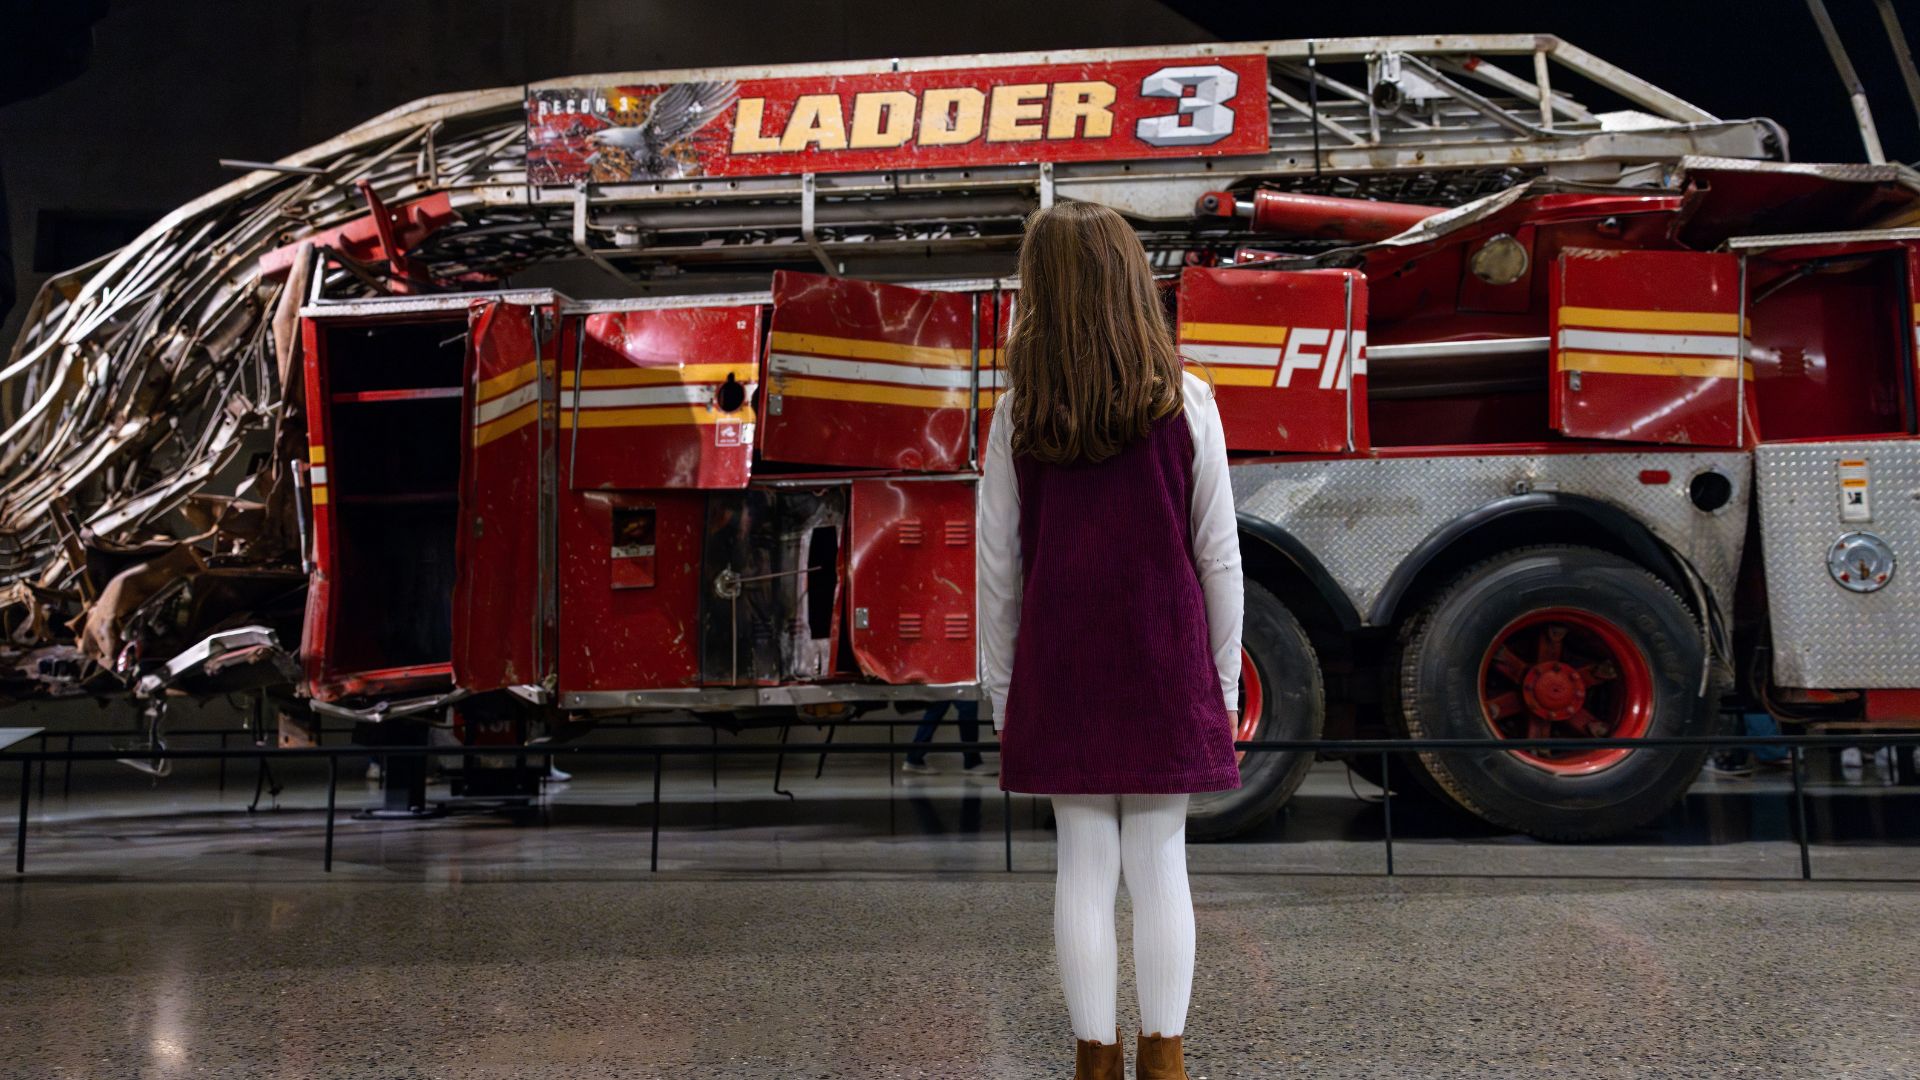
(1280, 698)
(1557, 642)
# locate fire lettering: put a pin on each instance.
(1343, 357)
(1297, 357)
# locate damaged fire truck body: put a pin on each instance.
(1545, 421)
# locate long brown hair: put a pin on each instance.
(1090, 358)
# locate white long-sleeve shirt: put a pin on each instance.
(1216, 550)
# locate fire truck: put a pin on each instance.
(1557, 405)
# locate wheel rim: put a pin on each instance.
(1566, 673)
(1252, 699)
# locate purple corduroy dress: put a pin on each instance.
(1113, 689)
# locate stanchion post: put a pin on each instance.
(1006, 820)
(66, 774)
(223, 763)
(653, 856)
(43, 768)
(333, 785)
(20, 833)
(1800, 813)
(1386, 803)
(832, 729)
(780, 761)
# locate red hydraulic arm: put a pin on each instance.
(1325, 217)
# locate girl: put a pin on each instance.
(1109, 584)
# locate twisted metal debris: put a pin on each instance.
(144, 374)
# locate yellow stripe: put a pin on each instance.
(1853, 463)
(1712, 322)
(507, 381)
(1243, 333)
(319, 495)
(654, 416)
(657, 376)
(1236, 376)
(861, 349)
(317, 454)
(1853, 483)
(1693, 367)
(505, 425)
(990, 398)
(874, 393)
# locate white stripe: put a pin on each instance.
(901, 374)
(1664, 344)
(1261, 356)
(624, 396)
(316, 474)
(506, 403)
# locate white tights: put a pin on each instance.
(1147, 836)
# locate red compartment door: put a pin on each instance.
(316, 635)
(910, 579)
(1913, 294)
(1287, 351)
(867, 375)
(502, 625)
(630, 589)
(665, 397)
(1646, 347)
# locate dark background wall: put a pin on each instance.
(111, 114)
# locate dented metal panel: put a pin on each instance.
(499, 608)
(1286, 352)
(659, 398)
(630, 589)
(868, 375)
(911, 580)
(1647, 347)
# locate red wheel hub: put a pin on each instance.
(1554, 690)
(1566, 673)
(1252, 699)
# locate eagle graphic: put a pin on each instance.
(661, 146)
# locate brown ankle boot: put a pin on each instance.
(1098, 1061)
(1159, 1057)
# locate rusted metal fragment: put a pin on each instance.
(100, 629)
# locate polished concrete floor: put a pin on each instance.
(865, 929)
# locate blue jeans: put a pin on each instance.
(1759, 723)
(969, 720)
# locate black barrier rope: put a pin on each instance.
(1386, 748)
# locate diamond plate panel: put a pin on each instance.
(1362, 517)
(1823, 635)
